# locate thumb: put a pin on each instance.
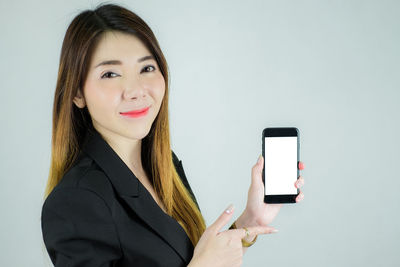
(222, 219)
(256, 171)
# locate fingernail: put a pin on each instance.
(229, 209)
(274, 231)
(259, 159)
(301, 165)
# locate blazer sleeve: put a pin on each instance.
(78, 229)
(181, 172)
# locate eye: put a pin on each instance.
(148, 68)
(107, 75)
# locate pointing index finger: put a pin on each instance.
(254, 230)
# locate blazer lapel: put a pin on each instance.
(164, 225)
(136, 195)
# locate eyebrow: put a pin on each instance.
(118, 62)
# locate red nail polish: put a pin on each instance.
(301, 165)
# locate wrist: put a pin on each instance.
(249, 239)
(246, 220)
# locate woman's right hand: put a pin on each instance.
(220, 249)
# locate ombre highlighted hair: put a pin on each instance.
(70, 123)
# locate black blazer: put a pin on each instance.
(101, 215)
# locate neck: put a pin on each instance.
(128, 149)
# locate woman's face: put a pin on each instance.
(114, 88)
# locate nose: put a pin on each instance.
(134, 88)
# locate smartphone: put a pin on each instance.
(280, 149)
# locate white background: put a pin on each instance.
(331, 68)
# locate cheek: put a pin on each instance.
(100, 99)
(158, 89)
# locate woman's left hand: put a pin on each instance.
(258, 213)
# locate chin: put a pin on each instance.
(138, 134)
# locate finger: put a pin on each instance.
(301, 165)
(300, 182)
(254, 230)
(259, 230)
(300, 197)
(223, 219)
(256, 171)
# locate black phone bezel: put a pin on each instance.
(276, 132)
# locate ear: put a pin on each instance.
(79, 100)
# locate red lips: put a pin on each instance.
(136, 113)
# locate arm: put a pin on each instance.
(78, 229)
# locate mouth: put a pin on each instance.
(136, 113)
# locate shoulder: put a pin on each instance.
(74, 214)
(83, 194)
(83, 178)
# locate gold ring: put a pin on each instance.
(247, 231)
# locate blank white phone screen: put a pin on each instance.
(280, 165)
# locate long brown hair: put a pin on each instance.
(71, 124)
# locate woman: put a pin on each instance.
(117, 195)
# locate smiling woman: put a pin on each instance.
(123, 81)
(117, 195)
(112, 91)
